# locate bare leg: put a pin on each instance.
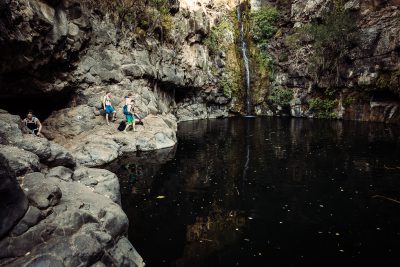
(107, 119)
(126, 127)
(114, 116)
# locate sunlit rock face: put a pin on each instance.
(362, 87)
(74, 51)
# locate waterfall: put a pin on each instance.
(243, 47)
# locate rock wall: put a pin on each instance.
(55, 46)
(61, 57)
(364, 86)
(71, 52)
(184, 64)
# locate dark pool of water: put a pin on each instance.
(267, 192)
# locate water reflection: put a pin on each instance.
(261, 191)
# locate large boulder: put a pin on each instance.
(42, 193)
(13, 203)
(34, 144)
(122, 254)
(16, 161)
(81, 229)
(104, 182)
(60, 156)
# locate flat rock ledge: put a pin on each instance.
(93, 143)
(105, 143)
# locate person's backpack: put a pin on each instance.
(139, 123)
(125, 109)
(121, 126)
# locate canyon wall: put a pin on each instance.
(181, 60)
(333, 59)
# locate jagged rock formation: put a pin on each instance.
(60, 57)
(60, 216)
(363, 86)
(71, 52)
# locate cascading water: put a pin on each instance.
(243, 47)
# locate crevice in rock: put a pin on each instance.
(180, 93)
(41, 104)
(384, 96)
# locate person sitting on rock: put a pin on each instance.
(109, 108)
(32, 124)
(130, 116)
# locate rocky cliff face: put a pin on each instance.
(77, 47)
(60, 58)
(181, 61)
(350, 72)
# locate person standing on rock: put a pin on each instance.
(130, 116)
(108, 107)
(128, 99)
(32, 124)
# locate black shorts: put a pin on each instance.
(35, 131)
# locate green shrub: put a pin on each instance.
(323, 108)
(349, 101)
(216, 39)
(333, 39)
(128, 15)
(230, 83)
(262, 29)
(281, 96)
(264, 61)
(390, 81)
(263, 25)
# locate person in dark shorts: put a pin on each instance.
(109, 108)
(32, 124)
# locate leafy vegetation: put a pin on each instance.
(390, 81)
(323, 108)
(229, 84)
(221, 38)
(263, 28)
(281, 96)
(333, 38)
(349, 101)
(263, 25)
(217, 38)
(149, 16)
